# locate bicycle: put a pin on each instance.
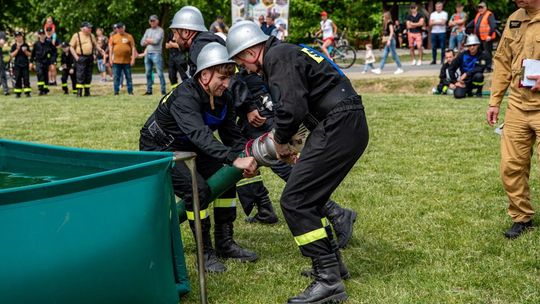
(343, 54)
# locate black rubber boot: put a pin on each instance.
(227, 248)
(79, 92)
(342, 220)
(211, 262)
(326, 286)
(343, 271)
(265, 212)
(65, 89)
(86, 92)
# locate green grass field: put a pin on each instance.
(431, 207)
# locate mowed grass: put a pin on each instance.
(431, 207)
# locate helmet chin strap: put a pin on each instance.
(207, 88)
(187, 37)
(256, 60)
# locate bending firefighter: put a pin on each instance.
(308, 89)
(255, 111)
(185, 120)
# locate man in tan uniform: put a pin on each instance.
(522, 118)
(83, 46)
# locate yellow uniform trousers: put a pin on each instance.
(521, 130)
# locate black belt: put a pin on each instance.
(161, 138)
(333, 97)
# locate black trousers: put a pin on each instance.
(65, 76)
(42, 73)
(3, 76)
(487, 46)
(22, 79)
(330, 152)
(177, 65)
(474, 81)
(83, 71)
(181, 181)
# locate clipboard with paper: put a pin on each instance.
(530, 67)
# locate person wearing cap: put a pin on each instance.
(3, 76)
(484, 27)
(185, 120)
(328, 29)
(43, 54)
(308, 89)
(122, 54)
(20, 52)
(83, 46)
(522, 117)
(152, 41)
(469, 66)
(67, 63)
(191, 34)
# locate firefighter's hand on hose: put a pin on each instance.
(248, 164)
(255, 119)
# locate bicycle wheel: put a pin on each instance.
(344, 56)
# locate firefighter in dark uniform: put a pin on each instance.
(191, 34)
(43, 54)
(67, 67)
(185, 120)
(20, 52)
(470, 66)
(256, 116)
(177, 61)
(83, 46)
(308, 89)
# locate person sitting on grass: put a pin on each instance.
(446, 85)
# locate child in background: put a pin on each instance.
(370, 58)
(445, 86)
(102, 59)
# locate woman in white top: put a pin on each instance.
(328, 30)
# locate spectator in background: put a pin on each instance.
(484, 26)
(83, 46)
(218, 26)
(269, 28)
(100, 36)
(282, 33)
(369, 59)
(177, 61)
(328, 30)
(49, 23)
(20, 52)
(152, 40)
(67, 63)
(122, 54)
(457, 32)
(389, 44)
(262, 21)
(102, 59)
(399, 29)
(3, 76)
(50, 35)
(415, 22)
(437, 21)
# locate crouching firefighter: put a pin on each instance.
(185, 120)
(307, 88)
(255, 112)
(470, 64)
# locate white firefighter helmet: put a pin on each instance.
(472, 39)
(189, 18)
(243, 35)
(211, 55)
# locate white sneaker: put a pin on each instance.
(376, 71)
(413, 62)
(363, 72)
(419, 62)
(398, 71)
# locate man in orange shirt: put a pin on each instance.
(122, 54)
